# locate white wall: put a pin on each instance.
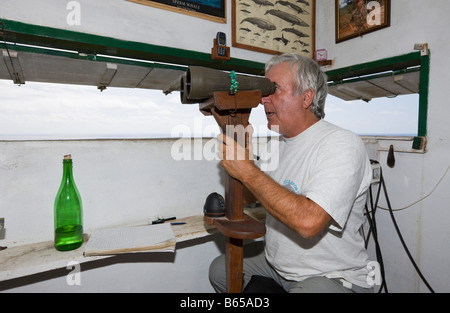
(126, 20)
(120, 182)
(424, 225)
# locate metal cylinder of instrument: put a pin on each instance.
(200, 83)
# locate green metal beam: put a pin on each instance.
(423, 95)
(389, 64)
(374, 76)
(18, 32)
(90, 57)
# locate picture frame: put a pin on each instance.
(354, 18)
(213, 10)
(274, 26)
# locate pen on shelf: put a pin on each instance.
(162, 220)
(178, 223)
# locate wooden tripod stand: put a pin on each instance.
(234, 110)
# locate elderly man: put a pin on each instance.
(314, 198)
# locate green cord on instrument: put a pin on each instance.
(234, 83)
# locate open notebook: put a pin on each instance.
(148, 238)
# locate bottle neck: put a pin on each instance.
(67, 170)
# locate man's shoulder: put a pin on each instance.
(330, 129)
(334, 135)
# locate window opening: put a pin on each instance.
(379, 117)
(388, 97)
(47, 111)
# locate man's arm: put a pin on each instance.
(296, 211)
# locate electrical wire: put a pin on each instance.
(373, 229)
(400, 235)
(424, 197)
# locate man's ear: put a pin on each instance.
(308, 97)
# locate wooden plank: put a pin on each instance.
(40, 257)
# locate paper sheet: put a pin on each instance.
(155, 238)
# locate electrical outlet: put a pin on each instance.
(423, 47)
(376, 172)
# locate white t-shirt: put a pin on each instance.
(330, 166)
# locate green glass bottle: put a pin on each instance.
(68, 211)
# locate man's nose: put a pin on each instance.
(265, 99)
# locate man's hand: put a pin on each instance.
(236, 159)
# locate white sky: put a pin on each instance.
(56, 111)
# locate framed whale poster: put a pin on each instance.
(213, 10)
(274, 26)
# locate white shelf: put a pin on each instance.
(41, 257)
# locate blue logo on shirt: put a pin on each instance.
(289, 184)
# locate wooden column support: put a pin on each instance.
(234, 110)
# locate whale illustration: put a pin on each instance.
(282, 39)
(294, 7)
(295, 31)
(260, 22)
(290, 18)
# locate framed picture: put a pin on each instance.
(213, 10)
(274, 26)
(358, 17)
